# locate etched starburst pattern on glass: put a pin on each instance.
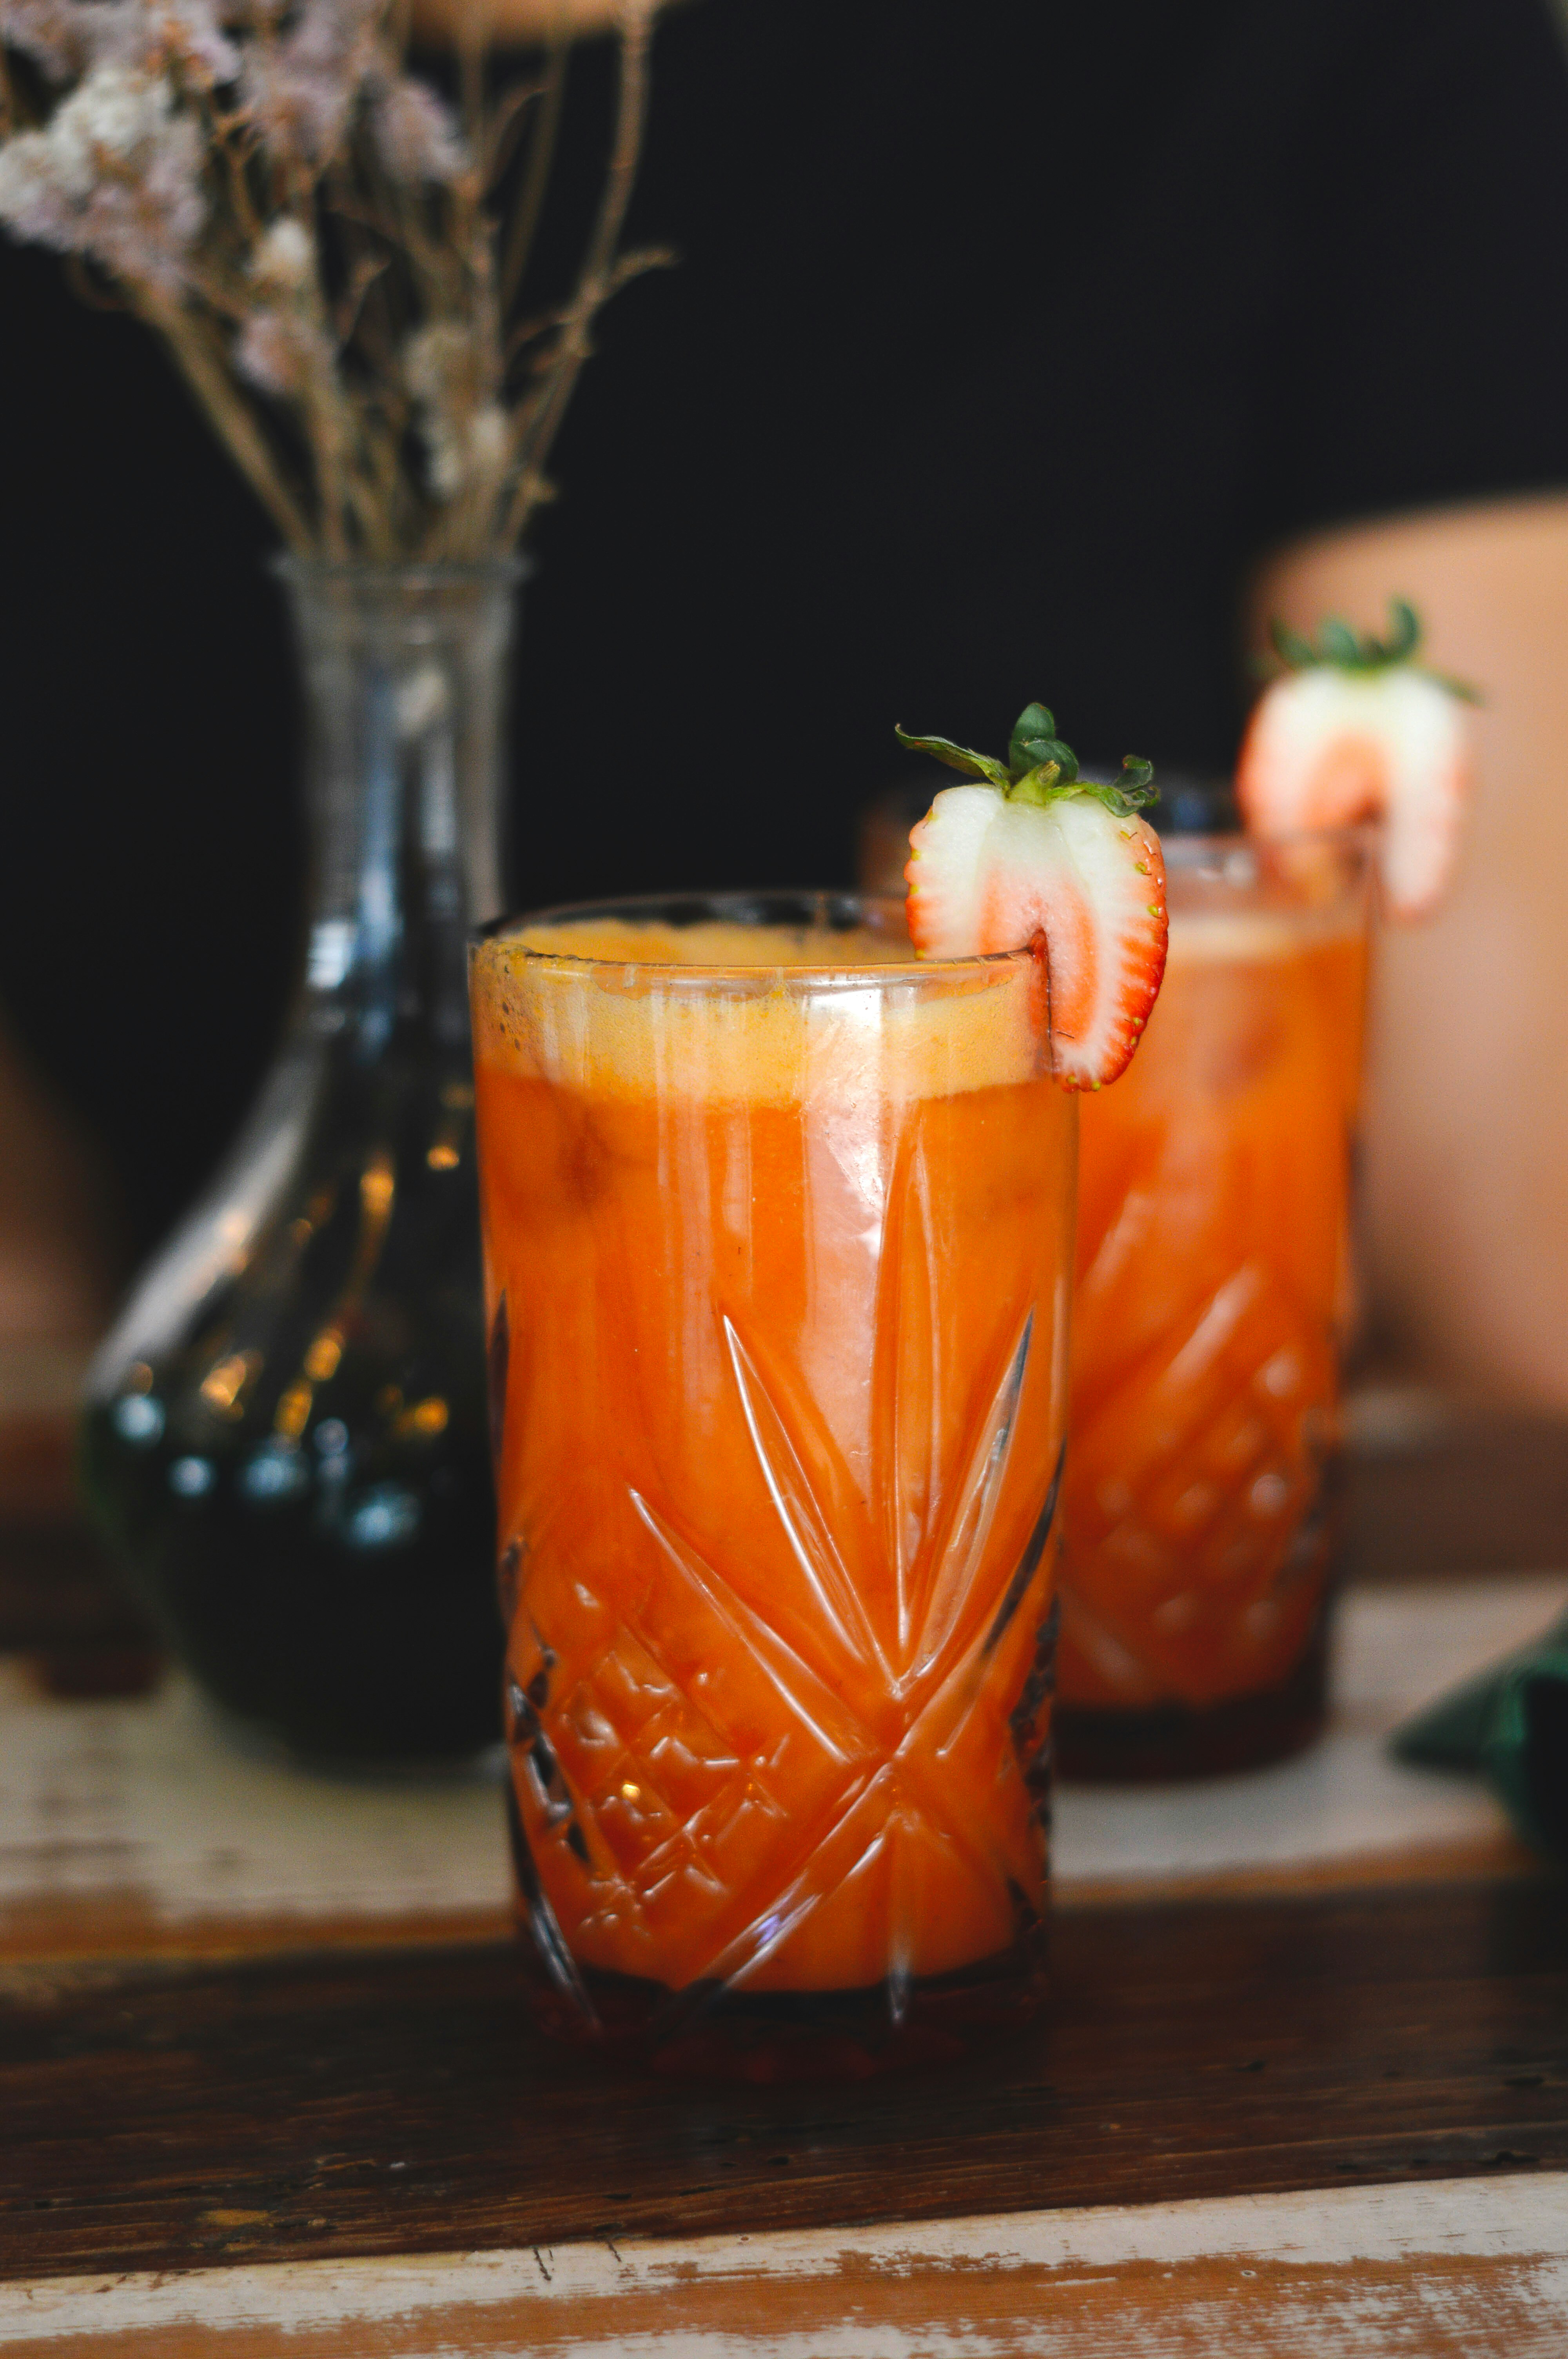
(839, 1784)
(1194, 1535)
(1213, 1293)
(778, 1256)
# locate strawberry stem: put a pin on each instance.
(1040, 769)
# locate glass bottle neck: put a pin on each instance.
(405, 673)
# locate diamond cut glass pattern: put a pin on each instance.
(1212, 1297)
(784, 1396)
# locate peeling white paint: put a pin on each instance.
(1522, 2219)
(149, 1797)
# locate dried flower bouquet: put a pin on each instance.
(334, 250)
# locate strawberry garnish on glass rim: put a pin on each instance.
(1354, 729)
(1035, 855)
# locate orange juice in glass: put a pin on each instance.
(1199, 1499)
(778, 1236)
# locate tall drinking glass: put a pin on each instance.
(1212, 1296)
(778, 1230)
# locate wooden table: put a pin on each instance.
(267, 2084)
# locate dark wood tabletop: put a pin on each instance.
(397, 2100)
(173, 2111)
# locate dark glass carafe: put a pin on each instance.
(285, 1437)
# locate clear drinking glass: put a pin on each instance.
(1212, 1298)
(778, 1230)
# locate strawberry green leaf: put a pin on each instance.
(957, 757)
(1034, 741)
(1033, 734)
(1337, 643)
(1293, 651)
(1405, 636)
(1121, 797)
(1040, 769)
(1133, 791)
(1049, 752)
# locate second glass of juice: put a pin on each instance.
(1212, 1299)
(778, 1230)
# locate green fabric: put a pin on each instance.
(1511, 1725)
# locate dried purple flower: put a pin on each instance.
(35, 203)
(415, 135)
(143, 230)
(116, 175)
(301, 92)
(186, 33)
(438, 368)
(108, 121)
(271, 351)
(52, 32)
(71, 36)
(284, 260)
(434, 359)
(467, 440)
(207, 154)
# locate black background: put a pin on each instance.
(1005, 336)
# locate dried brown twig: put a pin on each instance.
(525, 222)
(335, 259)
(604, 272)
(208, 380)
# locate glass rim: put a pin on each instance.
(1185, 847)
(733, 903)
(399, 574)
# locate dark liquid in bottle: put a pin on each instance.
(300, 1485)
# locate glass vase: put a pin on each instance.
(285, 1435)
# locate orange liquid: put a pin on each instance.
(780, 1305)
(1211, 1291)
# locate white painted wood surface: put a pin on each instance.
(118, 1820)
(1457, 2266)
(1345, 1801)
(152, 1797)
(147, 1809)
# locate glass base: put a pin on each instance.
(710, 2033)
(1103, 1748)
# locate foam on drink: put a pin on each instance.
(600, 1007)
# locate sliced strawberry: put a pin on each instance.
(1354, 731)
(1036, 853)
